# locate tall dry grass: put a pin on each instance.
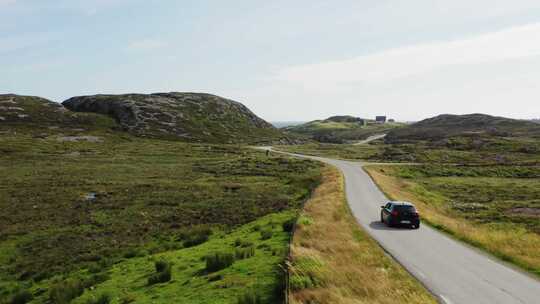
(334, 261)
(508, 242)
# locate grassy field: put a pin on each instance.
(460, 150)
(82, 217)
(340, 132)
(334, 261)
(336, 151)
(496, 208)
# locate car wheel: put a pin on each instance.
(416, 226)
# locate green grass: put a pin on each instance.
(487, 195)
(191, 282)
(152, 197)
(338, 151)
(459, 150)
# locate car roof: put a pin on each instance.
(401, 203)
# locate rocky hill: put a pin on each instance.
(36, 114)
(193, 117)
(470, 125)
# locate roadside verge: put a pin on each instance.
(334, 261)
(505, 241)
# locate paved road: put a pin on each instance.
(452, 271)
(370, 139)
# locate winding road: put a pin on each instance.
(451, 270)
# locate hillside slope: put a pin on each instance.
(340, 129)
(192, 117)
(36, 114)
(471, 125)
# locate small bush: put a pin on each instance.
(218, 261)
(161, 265)
(95, 279)
(21, 297)
(305, 220)
(160, 277)
(244, 253)
(163, 273)
(95, 268)
(266, 234)
(102, 299)
(250, 297)
(195, 235)
(257, 227)
(288, 226)
(131, 253)
(64, 292)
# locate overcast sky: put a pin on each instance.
(286, 60)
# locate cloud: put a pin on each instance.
(495, 73)
(388, 65)
(147, 45)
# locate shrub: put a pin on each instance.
(163, 273)
(64, 292)
(218, 261)
(244, 253)
(102, 299)
(195, 235)
(95, 268)
(95, 279)
(21, 297)
(160, 277)
(161, 265)
(250, 297)
(288, 226)
(266, 234)
(131, 253)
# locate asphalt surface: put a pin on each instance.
(451, 270)
(370, 139)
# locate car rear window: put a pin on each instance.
(404, 208)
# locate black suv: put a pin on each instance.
(400, 213)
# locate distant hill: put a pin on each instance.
(341, 129)
(471, 125)
(284, 124)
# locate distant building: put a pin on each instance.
(391, 120)
(380, 119)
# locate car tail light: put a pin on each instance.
(416, 214)
(395, 213)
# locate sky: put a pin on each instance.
(286, 60)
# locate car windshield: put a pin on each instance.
(404, 208)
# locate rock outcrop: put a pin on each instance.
(192, 117)
(35, 114)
